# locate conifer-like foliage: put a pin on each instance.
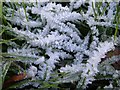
(47, 45)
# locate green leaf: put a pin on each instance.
(19, 84)
(6, 41)
(1, 76)
(24, 6)
(14, 57)
(104, 9)
(6, 66)
(0, 9)
(116, 30)
(95, 13)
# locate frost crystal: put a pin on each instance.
(57, 38)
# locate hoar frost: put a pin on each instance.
(54, 32)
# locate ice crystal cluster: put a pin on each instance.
(54, 38)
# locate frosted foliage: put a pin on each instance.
(90, 69)
(76, 3)
(31, 72)
(57, 44)
(52, 38)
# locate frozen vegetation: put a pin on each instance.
(64, 43)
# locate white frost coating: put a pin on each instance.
(75, 4)
(54, 38)
(39, 61)
(91, 68)
(110, 86)
(31, 72)
(34, 24)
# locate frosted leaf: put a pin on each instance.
(52, 35)
(31, 72)
(40, 60)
